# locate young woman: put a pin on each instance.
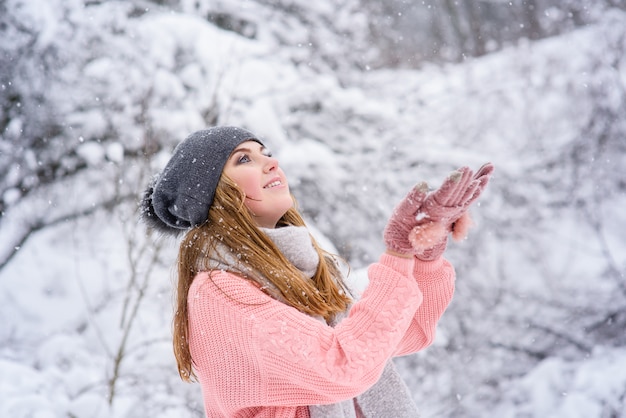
(264, 320)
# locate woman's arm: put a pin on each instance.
(436, 282)
(253, 350)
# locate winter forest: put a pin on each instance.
(359, 100)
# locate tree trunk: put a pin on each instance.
(475, 24)
(532, 25)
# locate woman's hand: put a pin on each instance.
(403, 220)
(420, 224)
(460, 189)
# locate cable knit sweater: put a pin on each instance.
(257, 357)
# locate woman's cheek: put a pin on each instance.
(250, 187)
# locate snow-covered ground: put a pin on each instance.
(536, 326)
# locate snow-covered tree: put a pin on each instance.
(95, 94)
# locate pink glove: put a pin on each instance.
(402, 221)
(430, 217)
(457, 192)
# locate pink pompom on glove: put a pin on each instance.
(421, 222)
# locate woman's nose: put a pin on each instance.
(271, 164)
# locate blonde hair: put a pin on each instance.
(231, 224)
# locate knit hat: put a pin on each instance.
(180, 197)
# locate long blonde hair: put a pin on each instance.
(230, 224)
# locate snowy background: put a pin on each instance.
(94, 95)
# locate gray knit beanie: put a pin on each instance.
(180, 197)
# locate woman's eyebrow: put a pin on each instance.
(245, 149)
(242, 150)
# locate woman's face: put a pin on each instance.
(252, 167)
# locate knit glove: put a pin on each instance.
(430, 217)
(403, 220)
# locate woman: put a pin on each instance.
(264, 320)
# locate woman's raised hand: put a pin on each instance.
(420, 224)
(403, 220)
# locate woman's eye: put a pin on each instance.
(267, 153)
(243, 159)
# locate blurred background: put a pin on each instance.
(359, 100)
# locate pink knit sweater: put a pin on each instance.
(257, 357)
